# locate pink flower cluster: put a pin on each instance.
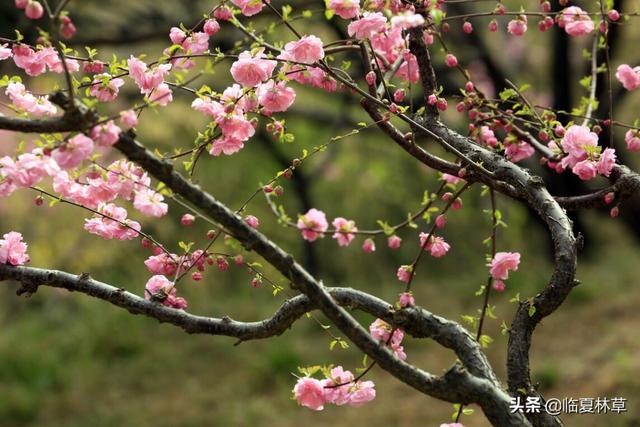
(106, 88)
(161, 289)
(518, 151)
(13, 250)
(35, 105)
(381, 331)
(338, 388)
(151, 81)
(583, 155)
(629, 77)
(346, 9)
(27, 170)
(501, 264)
(112, 222)
(249, 7)
(575, 21)
(35, 63)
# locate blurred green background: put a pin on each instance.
(69, 360)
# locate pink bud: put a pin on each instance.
(223, 264)
(457, 204)
(442, 104)
(462, 172)
(559, 130)
(450, 60)
(197, 276)
(187, 219)
(252, 221)
(238, 259)
(500, 9)
(398, 95)
(279, 191)
(493, 26)
(267, 189)
(546, 6)
(613, 15)
(256, 282)
(460, 107)
(157, 250)
(432, 99)
(498, 285)
(21, 4)
(393, 108)
(211, 27)
(543, 136)
(145, 243)
(445, 27)
(468, 87)
(369, 246)
(34, 10)
(371, 78)
(223, 13)
(39, 201)
(211, 234)
(394, 242)
(614, 212)
(467, 27)
(602, 27)
(441, 221)
(446, 196)
(608, 198)
(68, 30)
(406, 300)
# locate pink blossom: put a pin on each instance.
(629, 77)
(451, 179)
(441, 221)
(606, 162)
(346, 9)
(275, 97)
(369, 246)
(146, 79)
(404, 273)
(409, 70)
(632, 138)
(407, 20)
(223, 13)
(113, 223)
(313, 224)
(149, 202)
(129, 118)
(236, 126)
(187, 219)
(250, 70)
(5, 52)
(162, 264)
(26, 58)
(436, 245)
(71, 153)
(398, 95)
(341, 394)
(34, 10)
(211, 27)
(502, 263)
(106, 134)
(161, 289)
(487, 136)
(226, 145)
(252, 221)
(394, 242)
(585, 169)
(208, 106)
(467, 27)
(519, 150)
(369, 25)
(575, 21)
(344, 231)
(309, 392)
(161, 95)
(518, 27)
(13, 250)
(406, 300)
(105, 88)
(307, 50)
(576, 142)
(249, 7)
(361, 393)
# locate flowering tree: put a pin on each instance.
(86, 153)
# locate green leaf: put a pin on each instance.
(485, 340)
